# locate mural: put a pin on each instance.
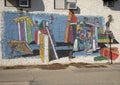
(52, 36)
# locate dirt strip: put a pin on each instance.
(56, 66)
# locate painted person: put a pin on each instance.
(78, 26)
(36, 32)
(94, 38)
(72, 34)
(76, 42)
(87, 40)
(110, 19)
(82, 37)
(97, 23)
(81, 25)
(85, 19)
(51, 19)
(88, 46)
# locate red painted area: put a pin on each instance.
(43, 31)
(36, 36)
(106, 52)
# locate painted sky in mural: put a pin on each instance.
(76, 36)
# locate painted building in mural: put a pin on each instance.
(64, 31)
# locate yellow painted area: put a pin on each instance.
(42, 55)
(42, 47)
(104, 40)
(25, 18)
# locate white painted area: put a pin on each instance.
(21, 61)
(19, 31)
(46, 52)
(38, 42)
(87, 8)
(25, 30)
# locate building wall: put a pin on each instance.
(86, 8)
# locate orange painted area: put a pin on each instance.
(36, 36)
(71, 19)
(68, 26)
(74, 19)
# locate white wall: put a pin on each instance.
(87, 7)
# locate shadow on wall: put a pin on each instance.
(37, 5)
(116, 6)
(77, 11)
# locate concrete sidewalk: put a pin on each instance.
(69, 76)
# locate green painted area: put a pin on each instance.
(42, 24)
(29, 32)
(100, 58)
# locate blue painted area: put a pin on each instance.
(83, 54)
(10, 33)
(57, 26)
(63, 48)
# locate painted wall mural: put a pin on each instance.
(52, 36)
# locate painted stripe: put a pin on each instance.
(19, 31)
(22, 31)
(29, 32)
(38, 40)
(36, 36)
(46, 50)
(56, 56)
(42, 47)
(25, 30)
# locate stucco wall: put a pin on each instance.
(87, 8)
